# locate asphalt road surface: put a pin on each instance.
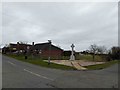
(17, 74)
(0, 71)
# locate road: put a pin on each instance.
(17, 74)
(0, 71)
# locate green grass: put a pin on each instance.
(39, 62)
(102, 66)
(89, 57)
(84, 57)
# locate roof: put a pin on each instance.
(41, 46)
(20, 44)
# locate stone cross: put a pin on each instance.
(72, 57)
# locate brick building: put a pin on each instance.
(40, 49)
(19, 47)
(47, 49)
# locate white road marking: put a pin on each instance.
(38, 75)
(11, 63)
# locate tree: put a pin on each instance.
(102, 50)
(94, 50)
(115, 52)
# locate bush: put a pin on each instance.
(114, 54)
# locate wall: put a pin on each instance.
(54, 54)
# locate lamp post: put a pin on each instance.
(32, 50)
(49, 51)
(18, 48)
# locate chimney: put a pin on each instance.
(49, 41)
(32, 43)
(17, 43)
(18, 48)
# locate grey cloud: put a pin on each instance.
(63, 23)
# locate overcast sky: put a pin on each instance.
(81, 23)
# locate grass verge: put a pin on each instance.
(102, 66)
(39, 62)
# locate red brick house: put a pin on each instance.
(40, 49)
(47, 49)
(18, 47)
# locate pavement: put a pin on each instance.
(81, 62)
(78, 64)
(17, 74)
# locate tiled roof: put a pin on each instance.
(41, 46)
(20, 44)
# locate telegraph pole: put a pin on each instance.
(49, 51)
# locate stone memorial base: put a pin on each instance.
(72, 57)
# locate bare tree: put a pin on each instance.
(102, 49)
(6, 45)
(94, 50)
